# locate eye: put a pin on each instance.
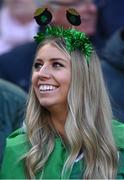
(57, 65)
(37, 65)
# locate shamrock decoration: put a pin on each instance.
(73, 17)
(42, 16)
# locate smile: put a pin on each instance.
(45, 87)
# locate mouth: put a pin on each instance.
(47, 88)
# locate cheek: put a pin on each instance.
(34, 79)
(67, 81)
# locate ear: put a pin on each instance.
(73, 17)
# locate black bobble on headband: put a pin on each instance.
(73, 17)
(42, 16)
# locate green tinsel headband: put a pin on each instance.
(74, 39)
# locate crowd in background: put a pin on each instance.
(102, 21)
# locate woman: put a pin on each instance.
(68, 121)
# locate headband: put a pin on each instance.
(74, 39)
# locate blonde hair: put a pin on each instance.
(87, 127)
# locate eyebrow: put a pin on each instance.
(52, 59)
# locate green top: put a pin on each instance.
(17, 146)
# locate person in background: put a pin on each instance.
(16, 23)
(12, 106)
(86, 8)
(68, 131)
(15, 66)
(1, 3)
(113, 69)
(110, 19)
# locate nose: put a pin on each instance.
(44, 72)
(93, 7)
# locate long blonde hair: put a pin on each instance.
(87, 127)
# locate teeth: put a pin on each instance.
(47, 87)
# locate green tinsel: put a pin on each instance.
(74, 39)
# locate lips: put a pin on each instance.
(46, 87)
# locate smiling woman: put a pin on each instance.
(51, 77)
(68, 131)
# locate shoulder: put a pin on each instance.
(17, 140)
(118, 133)
(16, 147)
(11, 89)
(120, 171)
(23, 51)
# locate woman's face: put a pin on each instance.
(51, 77)
(21, 9)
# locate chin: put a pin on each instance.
(46, 104)
(91, 32)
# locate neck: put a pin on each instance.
(58, 117)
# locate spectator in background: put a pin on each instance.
(110, 19)
(15, 66)
(86, 8)
(113, 69)
(16, 23)
(1, 3)
(12, 105)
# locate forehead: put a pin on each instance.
(50, 51)
(68, 2)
